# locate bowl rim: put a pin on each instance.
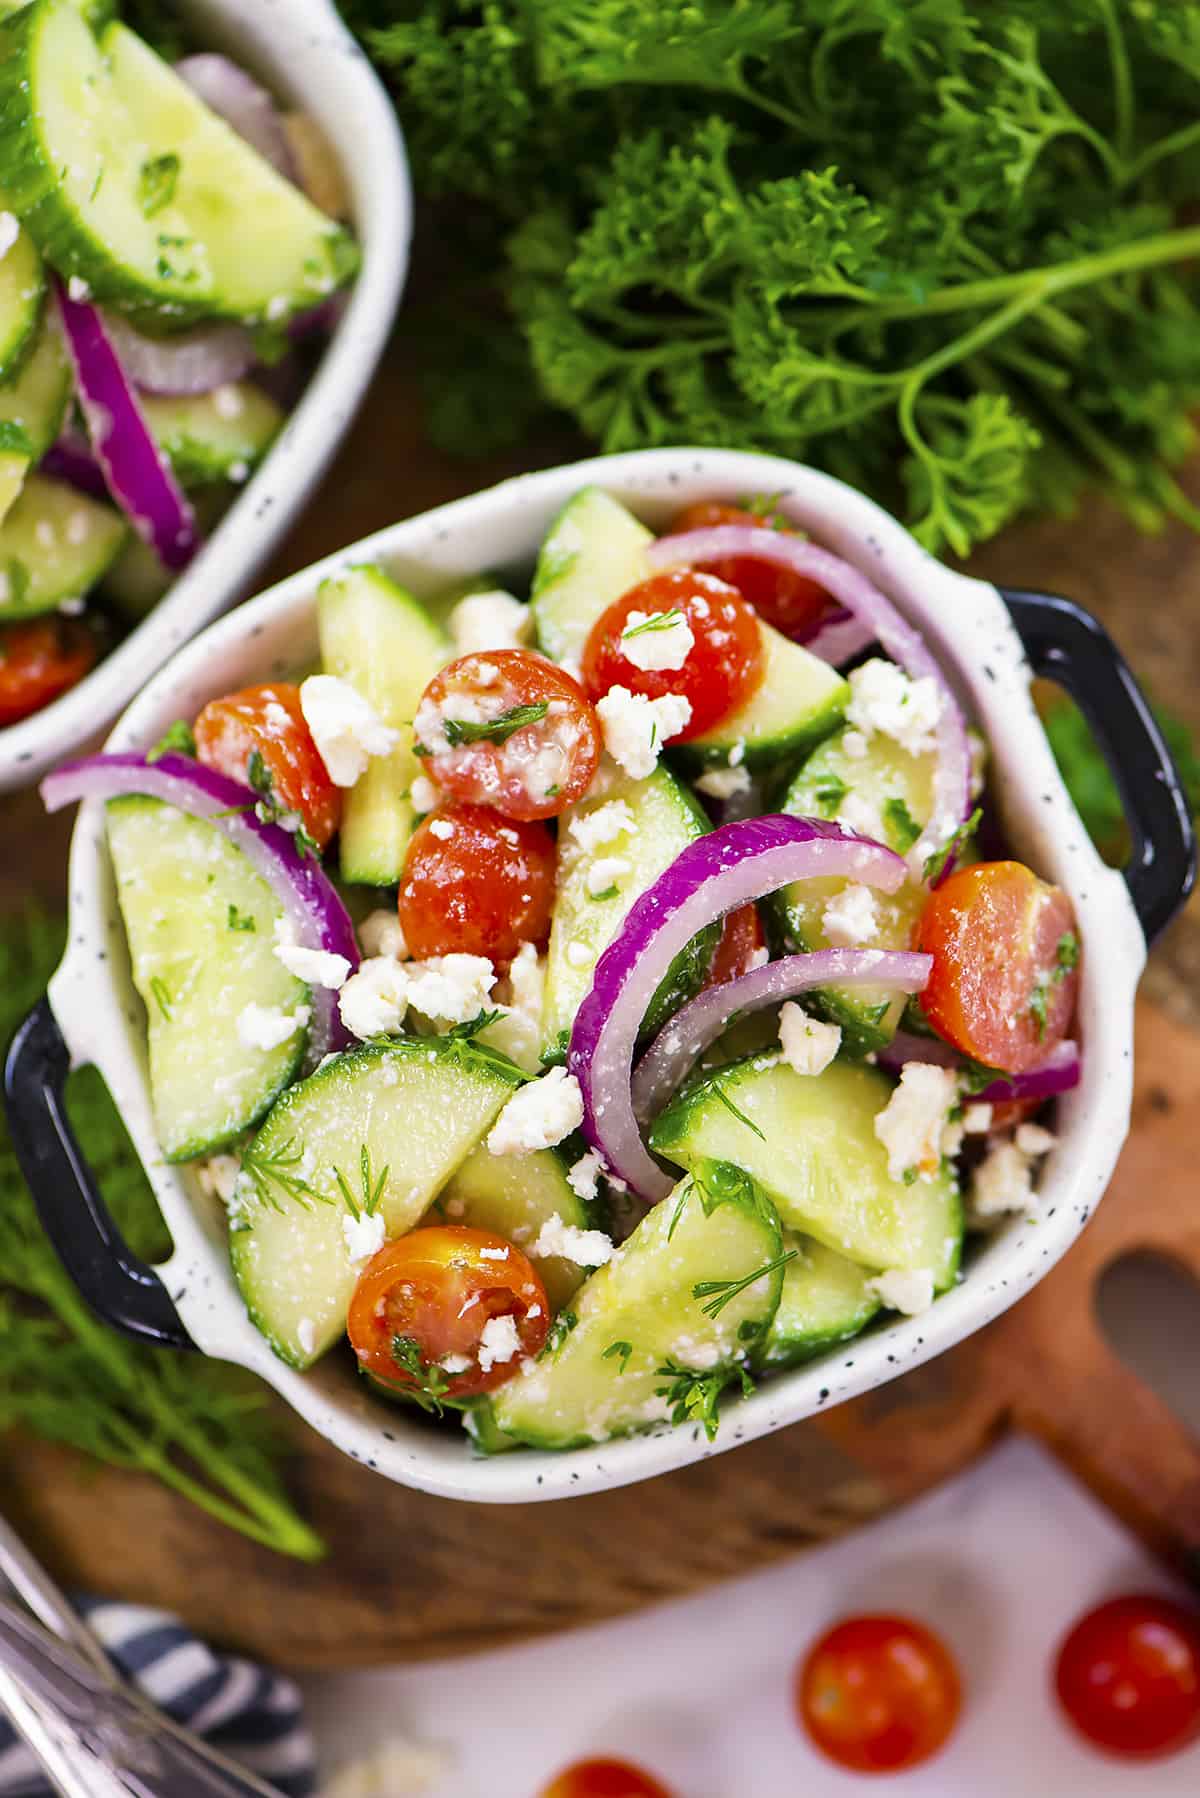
(978, 646)
(302, 49)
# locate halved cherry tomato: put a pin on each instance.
(723, 668)
(478, 748)
(1128, 1676)
(1005, 950)
(429, 1295)
(268, 719)
(791, 602)
(604, 1779)
(475, 883)
(39, 661)
(740, 941)
(879, 1694)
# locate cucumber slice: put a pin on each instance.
(187, 897)
(55, 544)
(825, 1300)
(899, 787)
(268, 251)
(135, 582)
(383, 641)
(35, 402)
(810, 1144)
(592, 553)
(416, 1108)
(513, 1196)
(589, 1388)
(80, 171)
(22, 295)
(214, 436)
(665, 819)
(801, 699)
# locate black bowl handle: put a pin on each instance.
(118, 1286)
(1064, 643)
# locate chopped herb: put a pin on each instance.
(608, 893)
(765, 507)
(723, 1097)
(902, 826)
(268, 809)
(657, 621)
(680, 1207)
(19, 581)
(552, 792)
(465, 1032)
(910, 1176)
(97, 181)
(829, 795)
(429, 1383)
(371, 1194)
(274, 1172)
(240, 920)
(623, 1349)
(156, 182)
(14, 438)
(558, 1332)
(178, 738)
(719, 1292)
(693, 1397)
(1066, 958)
(162, 995)
(495, 730)
(937, 863)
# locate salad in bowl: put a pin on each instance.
(598, 1001)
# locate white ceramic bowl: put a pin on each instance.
(301, 50)
(968, 625)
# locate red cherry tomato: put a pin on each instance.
(39, 661)
(879, 1694)
(436, 1289)
(475, 883)
(604, 1779)
(1128, 1676)
(268, 719)
(1004, 978)
(723, 667)
(791, 602)
(740, 941)
(478, 751)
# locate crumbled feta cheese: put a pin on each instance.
(605, 872)
(375, 998)
(636, 728)
(78, 290)
(538, 1115)
(429, 724)
(455, 1363)
(527, 979)
(758, 958)
(487, 674)
(883, 698)
(584, 1175)
(1002, 1182)
(345, 728)
(73, 606)
(425, 794)
(218, 1176)
(738, 753)
(723, 783)
(860, 815)
(380, 933)
(450, 988)
(808, 1044)
(1033, 1140)
(238, 472)
(977, 1119)
(442, 829)
(517, 1033)
(657, 641)
(317, 967)
(912, 1123)
(855, 745)
(498, 1341)
(10, 230)
(278, 307)
(586, 1248)
(306, 1335)
(579, 955)
(227, 401)
(850, 917)
(494, 1254)
(364, 1235)
(907, 1289)
(266, 1026)
(592, 829)
(492, 620)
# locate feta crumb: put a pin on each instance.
(10, 230)
(657, 641)
(527, 979)
(72, 607)
(317, 967)
(583, 1177)
(498, 1342)
(306, 1335)
(450, 988)
(586, 1248)
(907, 1289)
(862, 817)
(808, 1044)
(380, 933)
(912, 1123)
(517, 1032)
(238, 472)
(723, 783)
(375, 998)
(538, 1115)
(850, 917)
(1033, 1140)
(605, 872)
(579, 955)
(1002, 1182)
(977, 1119)
(345, 728)
(227, 401)
(278, 307)
(883, 698)
(424, 794)
(266, 1026)
(78, 290)
(218, 1176)
(491, 620)
(636, 728)
(442, 829)
(855, 745)
(738, 753)
(592, 829)
(456, 1208)
(364, 1235)
(494, 1254)
(758, 958)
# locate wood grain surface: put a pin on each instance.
(412, 1577)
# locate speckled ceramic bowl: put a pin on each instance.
(305, 55)
(94, 1015)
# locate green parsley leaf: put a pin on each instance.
(621, 1349)
(239, 920)
(829, 795)
(177, 737)
(937, 863)
(494, 730)
(903, 828)
(466, 1032)
(157, 181)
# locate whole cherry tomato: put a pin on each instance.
(722, 667)
(1005, 964)
(475, 883)
(1128, 1676)
(268, 720)
(879, 1694)
(604, 1779)
(39, 661)
(511, 730)
(792, 602)
(429, 1297)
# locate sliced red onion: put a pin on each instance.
(298, 881)
(319, 321)
(246, 107)
(1058, 1073)
(71, 460)
(138, 475)
(874, 612)
(729, 867)
(679, 1044)
(838, 639)
(191, 362)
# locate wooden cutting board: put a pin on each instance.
(410, 1577)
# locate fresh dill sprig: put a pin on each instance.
(274, 1175)
(366, 1202)
(720, 1292)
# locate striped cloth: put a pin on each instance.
(253, 1715)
